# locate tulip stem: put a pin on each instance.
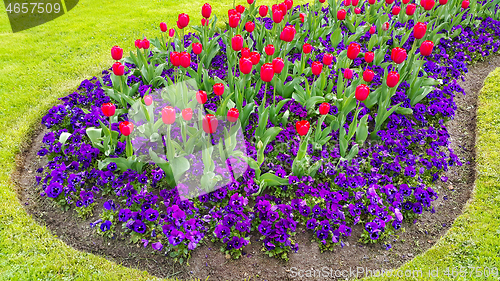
(274, 93)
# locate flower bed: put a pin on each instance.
(381, 143)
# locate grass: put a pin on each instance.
(44, 63)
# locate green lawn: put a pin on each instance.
(47, 62)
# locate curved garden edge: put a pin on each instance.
(447, 252)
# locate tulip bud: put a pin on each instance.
(249, 26)
(419, 30)
(197, 48)
(283, 9)
(201, 97)
(465, 4)
(250, 2)
(288, 33)
(406, 1)
(316, 68)
(277, 16)
(392, 79)
(171, 32)
(255, 58)
(175, 58)
(302, 127)
(353, 50)
(205, 22)
(108, 109)
(187, 114)
(324, 108)
(289, 4)
(126, 128)
(369, 56)
(168, 115)
(116, 53)
(302, 17)
(372, 2)
(148, 100)
(245, 65)
(266, 72)
(145, 44)
(368, 75)
(327, 59)
(341, 14)
(232, 115)
(163, 27)
(263, 10)
(347, 3)
(218, 89)
(355, 3)
(426, 48)
(396, 10)
(185, 59)
(322, 1)
(348, 73)
(398, 55)
(373, 29)
(182, 20)
(138, 43)
(206, 10)
(427, 4)
(362, 92)
(209, 123)
(234, 20)
(410, 9)
(306, 48)
(443, 2)
(385, 26)
(278, 65)
(118, 69)
(269, 49)
(240, 9)
(237, 43)
(357, 11)
(389, 2)
(245, 52)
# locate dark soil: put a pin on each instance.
(208, 261)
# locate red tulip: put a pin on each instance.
(255, 58)
(289, 4)
(327, 59)
(348, 73)
(410, 9)
(369, 56)
(232, 115)
(163, 27)
(353, 50)
(306, 48)
(171, 32)
(138, 43)
(396, 10)
(245, 52)
(234, 20)
(108, 109)
(263, 10)
(175, 58)
(302, 127)
(269, 49)
(316, 68)
(283, 9)
(205, 22)
(373, 29)
(218, 89)
(183, 20)
(392, 79)
(237, 43)
(266, 72)
(116, 53)
(357, 11)
(126, 128)
(419, 30)
(288, 33)
(201, 97)
(210, 123)
(324, 108)
(341, 14)
(206, 10)
(249, 26)
(185, 59)
(278, 65)
(398, 55)
(168, 115)
(250, 2)
(197, 48)
(465, 4)
(302, 17)
(355, 3)
(148, 100)
(427, 4)
(118, 69)
(322, 1)
(426, 48)
(145, 44)
(406, 1)
(277, 16)
(443, 2)
(246, 65)
(389, 2)
(371, 2)
(187, 114)
(362, 92)
(347, 3)
(240, 9)
(368, 75)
